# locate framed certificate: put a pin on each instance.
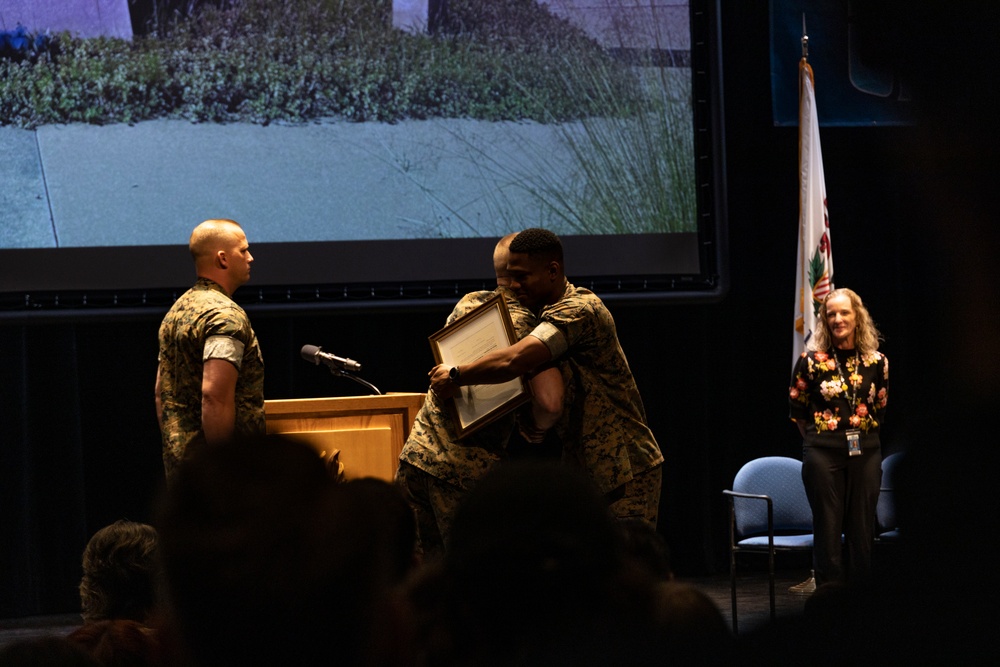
(484, 329)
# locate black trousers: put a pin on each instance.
(842, 491)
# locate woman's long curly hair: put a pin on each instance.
(866, 335)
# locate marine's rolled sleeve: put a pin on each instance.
(552, 337)
(226, 348)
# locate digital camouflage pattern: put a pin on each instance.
(639, 498)
(204, 323)
(434, 503)
(603, 429)
(436, 469)
(433, 445)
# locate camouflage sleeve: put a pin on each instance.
(468, 303)
(522, 319)
(227, 333)
(574, 318)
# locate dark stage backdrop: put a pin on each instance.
(80, 446)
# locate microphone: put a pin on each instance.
(315, 354)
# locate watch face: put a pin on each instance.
(453, 373)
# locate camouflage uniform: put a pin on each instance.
(436, 470)
(204, 323)
(604, 429)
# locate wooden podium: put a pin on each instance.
(367, 432)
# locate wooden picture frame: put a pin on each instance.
(486, 328)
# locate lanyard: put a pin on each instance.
(850, 383)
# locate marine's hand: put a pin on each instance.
(441, 382)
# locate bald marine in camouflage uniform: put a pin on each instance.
(210, 378)
(604, 430)
(436, 469)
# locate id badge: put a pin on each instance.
(853, 442)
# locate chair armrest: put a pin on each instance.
(732, 495)
(755, 496)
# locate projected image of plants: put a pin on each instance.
(549, 124)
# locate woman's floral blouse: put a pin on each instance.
(835, 391)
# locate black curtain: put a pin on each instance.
(42, 512)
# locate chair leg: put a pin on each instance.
(770, 580)
(732, 588)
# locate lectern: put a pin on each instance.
(366, 432)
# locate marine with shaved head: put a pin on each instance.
(210, 378)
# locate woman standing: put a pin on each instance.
(837, 399)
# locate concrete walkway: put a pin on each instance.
(149, 184)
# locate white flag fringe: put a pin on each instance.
(814, 263)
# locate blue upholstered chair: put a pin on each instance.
(886, 523)
(768, 513)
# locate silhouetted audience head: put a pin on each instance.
(390, 520)
(535, 574)
(646, 547)
(268, 560)
(120, 573)
(120, 643)
(690, 627)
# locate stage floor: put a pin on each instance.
(751, 589)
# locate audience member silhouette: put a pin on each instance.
(120, 576)
(268, 560)
(690, 627)
(536, 574)
(647, 547)
(390, 519)
(120, 643)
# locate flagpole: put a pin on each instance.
(814, 270)
(805, 39)
(798, 345)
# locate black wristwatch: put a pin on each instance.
(453, 374)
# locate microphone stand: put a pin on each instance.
(340, 372)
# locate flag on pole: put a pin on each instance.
(814, 277)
